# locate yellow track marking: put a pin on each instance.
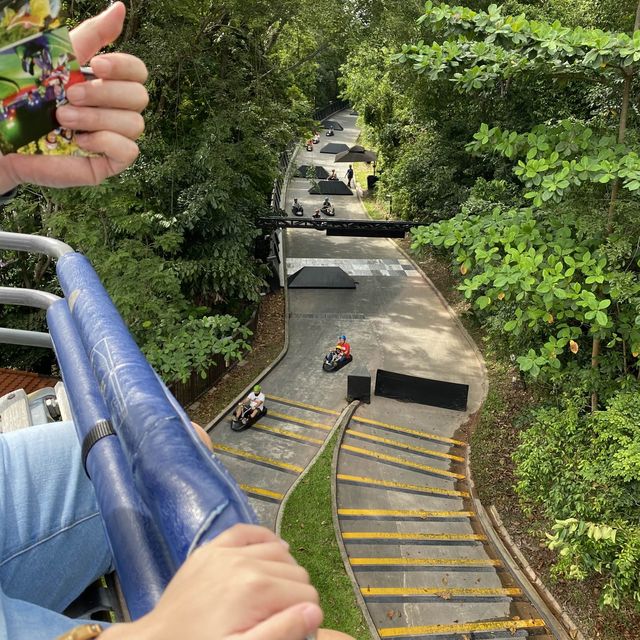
(405, 463)
(423, 562)
(262, 492)
(402, 486)
(256, 458)
(411, 432)
(445, 594)
(289, 434)
(435, 537)
(404, 513)
(401, 445)
(307, 423)
(467, 627)
(303, 405)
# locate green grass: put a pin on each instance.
(308, 528)
(377, 210)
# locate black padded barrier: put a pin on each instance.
(321, 278)
(436, 393)
(367, 233)
(319, 172)
(332, 124)
(334, 147)
(359, 388)
(331, 188)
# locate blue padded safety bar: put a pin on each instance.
(191, 497)
(140, 555)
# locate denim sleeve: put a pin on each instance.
(52, 541)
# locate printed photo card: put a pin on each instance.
(37, 66)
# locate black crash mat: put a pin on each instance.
(334, 147)
(436, 393)
(321, 278)
(303, 172)
(331, 188)
(332, 124)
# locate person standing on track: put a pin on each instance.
(349, 175)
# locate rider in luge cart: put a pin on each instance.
(344, 349)
(254, 402)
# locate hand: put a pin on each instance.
(244, 584)
(107, 109)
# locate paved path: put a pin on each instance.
(420, 559)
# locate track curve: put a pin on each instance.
(422, 563)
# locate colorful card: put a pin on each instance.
(20, 19)
(35, 74)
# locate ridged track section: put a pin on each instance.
(267, 458)
(423, 566)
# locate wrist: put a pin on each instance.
(8, 180)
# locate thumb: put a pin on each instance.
(93, 34)
(294, 623)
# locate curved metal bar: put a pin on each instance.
(140, 555)
(190, 495)
(27, 297)
(25, 338)
(33, 244)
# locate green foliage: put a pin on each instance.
(584, 472)
(230, 85)
(541, 280)
(558, 158)
(421, 179)
(195, 345)
(512, 45)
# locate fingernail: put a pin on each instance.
(101, 66)
(69, 115)
(312, 615)
(76, 93)
(285, 543)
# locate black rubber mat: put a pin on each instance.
(332, 124)
(331, 188)
(334, 147)
(303, 172)
(321, 278)
(436, 393)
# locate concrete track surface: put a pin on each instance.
(421, 561)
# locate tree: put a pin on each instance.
(485, 49)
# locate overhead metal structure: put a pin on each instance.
(342, 227)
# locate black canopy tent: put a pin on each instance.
(356, 153)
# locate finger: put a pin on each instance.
(112, 145)
(95, 33)
(294, 623)
(62, 172)
(119, 66)
(280, 570)
(274, 551)
(116, 94)
(242, 535)
(126, 123)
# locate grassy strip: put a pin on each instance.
(376, 210)
(307, 527)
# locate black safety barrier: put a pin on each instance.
(321, 278)
(359, 388)
(341, 226)
(436, 393)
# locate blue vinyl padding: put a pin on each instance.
(190, 495)
(140, 555)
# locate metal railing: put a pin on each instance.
(130, 428)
